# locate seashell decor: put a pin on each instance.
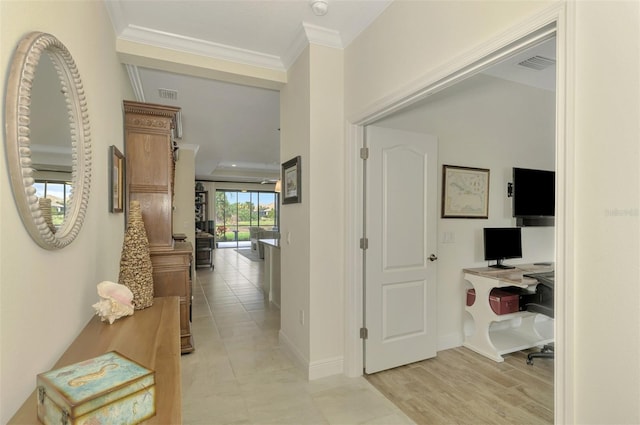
(135, 262)
(115, 301)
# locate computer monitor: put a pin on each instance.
(501, 243)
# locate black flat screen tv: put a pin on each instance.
(534, 193)
(501, 243)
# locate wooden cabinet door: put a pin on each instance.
(150, 168)
(171, 277)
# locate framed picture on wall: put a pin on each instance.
(465, 192)
(292, 181)
(116, 180)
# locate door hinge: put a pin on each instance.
(364, 243)
(364, 333)
(364, 153)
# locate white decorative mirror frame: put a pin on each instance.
(19, 144)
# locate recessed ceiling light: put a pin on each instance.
(233, 165)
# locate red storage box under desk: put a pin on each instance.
(502, 302)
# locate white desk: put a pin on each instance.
(271, 280)
(494, 335)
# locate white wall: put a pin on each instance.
(326, 199)
(184, 195)
(483, 122)
(412, 38)
(295, 127)
(607, 208)
(312, 323)
(46, 296)
(184, 199)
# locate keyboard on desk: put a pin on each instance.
(547, 278)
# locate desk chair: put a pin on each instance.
(542, 303)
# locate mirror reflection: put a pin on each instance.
(48, 140)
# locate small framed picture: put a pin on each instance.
(116, 180)
(465, 192)
(292, 181)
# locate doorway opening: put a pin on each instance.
(540, 29)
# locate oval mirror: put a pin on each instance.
(48, 140)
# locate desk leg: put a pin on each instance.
(480, 342)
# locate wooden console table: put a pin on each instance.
(151, 337)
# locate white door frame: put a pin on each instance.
(559, 20)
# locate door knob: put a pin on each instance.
(433, 257)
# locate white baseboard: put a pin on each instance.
(298, 358)
(316, 370)
(326, 367)
(448, 341)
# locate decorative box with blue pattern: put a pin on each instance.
(107, 389)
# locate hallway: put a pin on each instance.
(238, 374)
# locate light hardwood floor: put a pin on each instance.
(462, 387)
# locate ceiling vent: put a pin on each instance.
(168, 94)
(538, 63)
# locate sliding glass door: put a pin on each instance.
(236, 211)
(58, 192)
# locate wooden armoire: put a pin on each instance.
(150, 172)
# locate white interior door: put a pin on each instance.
(401, 228)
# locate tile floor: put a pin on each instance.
(239, 375)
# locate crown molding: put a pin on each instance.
(322, 36)
(297, 46)
(311, 34)
(239, 176)
(308, 34)
(136, 82)
(142, 35)
(189, 147)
